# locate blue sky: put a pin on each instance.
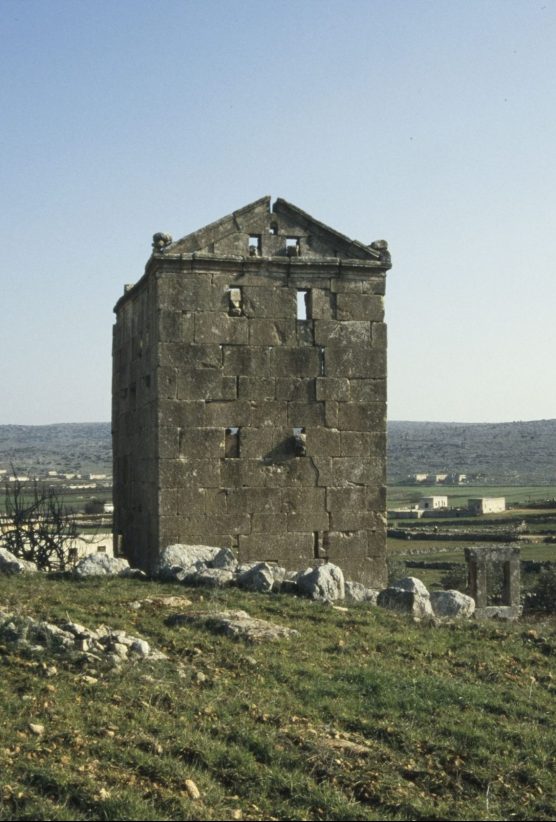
(431, 124)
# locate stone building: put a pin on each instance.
(249, 395)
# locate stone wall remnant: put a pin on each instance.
(241, 420)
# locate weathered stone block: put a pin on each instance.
(205, 384)
(176, 326)
(275, 303)
(292, 550)
(254, 500)
(181, 414)
(269, 523)
(166, 382)
(200, 443)
(308, 521)
(302, 414)
(295, 362)
(348, 333)
(303, 500)
(220, 328)
(362, 416)
(226, 414)
(182, 473)
(255, 443)
(379, 335)
(256, 388)
(266, 414)
(253, 362)
(295, 390)
(348, 471)
(168, 442)
(321, 304)
(359, 307)
(353, 362)
(294, 472)
(305, 333)
(324, 442)
(369, 390)
(189, 501)
(333, 388)
(272, 332)
(216, 523)
(343, 520)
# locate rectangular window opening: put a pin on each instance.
(235, 308)
(303, 304)
(231, 444)
(255, 245)
(293, 247)
(300, 442)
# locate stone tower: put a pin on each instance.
(249, 395)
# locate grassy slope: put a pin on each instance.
(453, 722)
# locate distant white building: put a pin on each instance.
(419, 477)
(486, 505)
(97, 476)
(433, 503)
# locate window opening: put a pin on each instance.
(303, 305)
(235, 308)
(273, 229)
(293, 247)
(300, 442)
(231, 445)
(255, 245)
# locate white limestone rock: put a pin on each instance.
(324, 583)
(357, 592)
(236, 624)
(101, 565)
(452, 604)
(10, 564)
(406, 601)
(262, 577)
(179, 561)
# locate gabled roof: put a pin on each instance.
(274, 225)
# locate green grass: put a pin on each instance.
(459, 494)
(365, 716)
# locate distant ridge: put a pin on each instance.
(507, 452)
(513, 452)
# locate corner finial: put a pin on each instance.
(161, 240)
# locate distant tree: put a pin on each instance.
(37, 526)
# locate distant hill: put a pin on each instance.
(508, 452)
(74, 446)
(513, 452)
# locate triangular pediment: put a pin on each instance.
(282, 229)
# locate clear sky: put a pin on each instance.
(430, 124)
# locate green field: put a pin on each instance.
(459, 494)
(365, 716)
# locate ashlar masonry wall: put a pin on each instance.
(238, 423)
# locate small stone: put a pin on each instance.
(192, 789)
(35, 729)
(200, 677)
(141, 647)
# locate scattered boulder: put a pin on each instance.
(10, 564)
(213, 577)
(452, 604)
(408, 596)
(357, 592)
(235, 624)
(324, 583)
(102, 565)
(182, 562)
(261, 577)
